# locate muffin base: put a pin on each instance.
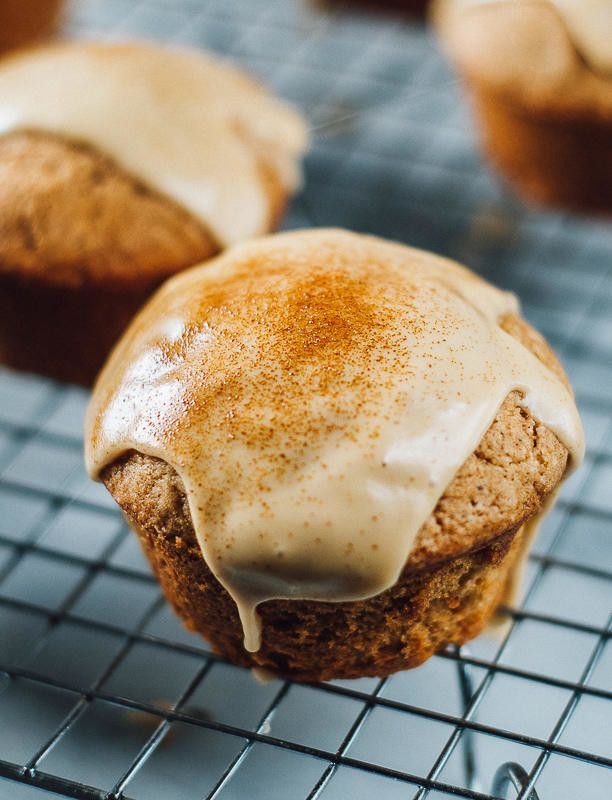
(63, 332)
(423, 613)
(554, 160)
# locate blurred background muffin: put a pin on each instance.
(119, 166)
(540, 76)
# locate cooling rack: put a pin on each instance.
(104, 695)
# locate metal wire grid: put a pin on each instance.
(104, 695)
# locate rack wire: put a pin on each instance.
(104, 695)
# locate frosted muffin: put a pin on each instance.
(540, 75)
(119, 166)
(333, 450)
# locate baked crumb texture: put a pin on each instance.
(455, 576)
(82, 245)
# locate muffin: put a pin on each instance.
(121, 165)
(540, 76)
(333, 449)
(25, 21)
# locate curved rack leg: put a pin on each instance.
(466, 688)
(511, 774)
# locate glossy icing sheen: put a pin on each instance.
(589, 23)
(316, 392)
(186, 124)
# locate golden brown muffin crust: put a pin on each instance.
(71, 216)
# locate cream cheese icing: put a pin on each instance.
(186, 124)
(316, 392)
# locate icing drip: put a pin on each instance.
(316, 392)
(186, 124)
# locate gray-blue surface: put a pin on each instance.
(394, 153)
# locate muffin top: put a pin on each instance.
(185, 124)
(546, 53)
(316, 392)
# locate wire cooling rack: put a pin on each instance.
(104, 695)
